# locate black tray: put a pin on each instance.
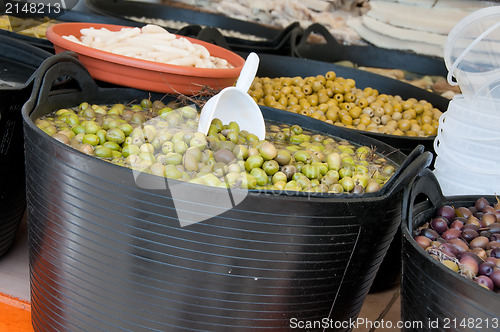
(369, 55)
(108, 252)
(275, 66)
(431, 292)
(70, 16)
(277, 41)
(18, 62)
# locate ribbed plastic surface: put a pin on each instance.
(106, 254)
(431, 292)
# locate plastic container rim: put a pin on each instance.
(55, 32)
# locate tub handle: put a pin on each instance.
(299, 40)
(214, 36)
(47, 84)
(425, 183)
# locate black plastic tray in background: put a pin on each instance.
(18, 62)
(70, 16)
(429, 290)
(108, 253)
(363, 55)
(277, 41)
(276, 66)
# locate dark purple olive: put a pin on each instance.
(460, 245)
(495, 253)
(449, 249)
(478, 215)
(451, 233)
(446, 211)
(429, 233)
(480, 252)
(423, 241)
(488, 219)
(486, 268)
(497, 214)
(479, 242)
(488, 209)
(492, 260)
(495, 277)
(481, 203)
(494, 228)
(470, 264)
(456, 224)
(439, 224)
(474, 220)
(485, 281)
(495, 237)
(469, 234)
(462, 219)
(471, 226)
(465, 212)
(492, 245)
(485, 233)
(472, 255)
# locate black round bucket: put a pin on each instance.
(107, 253)
(431, 293)
(18, 62)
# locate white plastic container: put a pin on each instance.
(455, 180)
(472, 54)
(483, 112)
(467, 143)
(456, 125)
(474, 162)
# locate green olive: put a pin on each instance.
(311, 171)
(130, 150)
(172, 172)
(173, 158)
(254, 161)
(267, 151)
(334, 161)
(112, 145)
(180, 147)
(103, 152)
(190, 163)
(91, 139)
(347, 183)
(279, 177)
(271, 167)
(260, 176)
(115, 135)
(303, 156)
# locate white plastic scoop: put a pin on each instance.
(235, 104)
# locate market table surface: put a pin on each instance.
(15, 309)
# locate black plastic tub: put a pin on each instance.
(268, 39)
(363, 55)
(107, 253)
(431, 293)
(18, 62)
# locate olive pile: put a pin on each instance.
(467, 240)
(336, 100)
(163, 140)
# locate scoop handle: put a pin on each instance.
(248, 72)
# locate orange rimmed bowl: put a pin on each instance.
(144, 74)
